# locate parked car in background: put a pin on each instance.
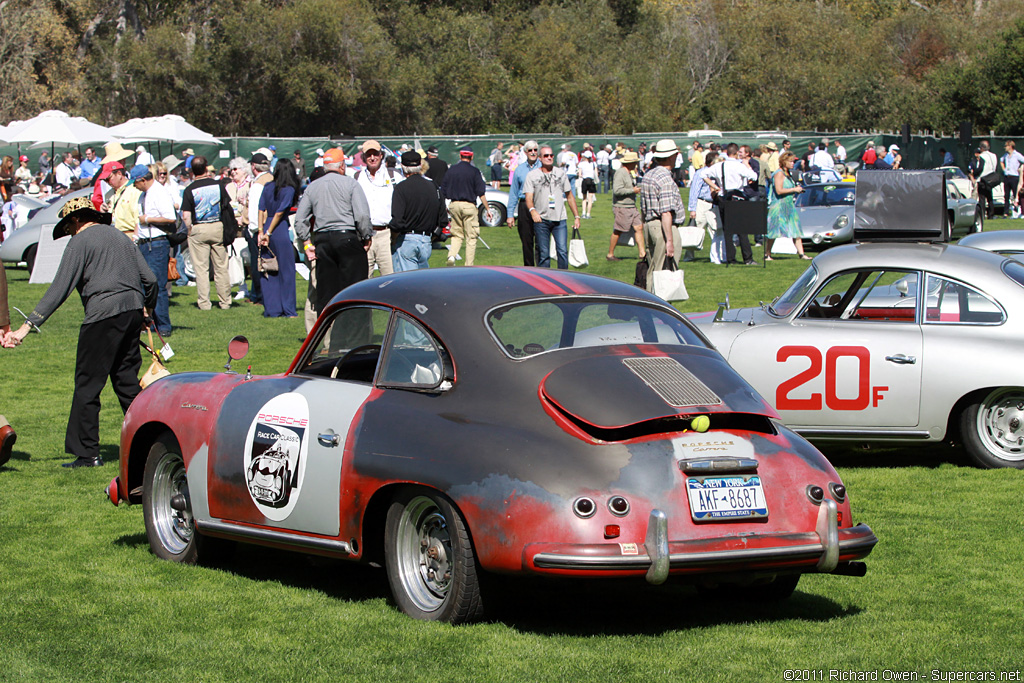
(1005, 242)
(893, 343)
(826, 212)
(22, 244)
(963, 184)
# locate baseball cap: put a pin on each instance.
(368, 145)
(466, 152)
(138, 172)
(258, 158)
(411, 158)
(109, 168)
(432, 150)
(23, 158)
(335, 155)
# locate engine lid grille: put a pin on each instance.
(676, 385)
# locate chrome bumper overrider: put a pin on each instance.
(657, 556)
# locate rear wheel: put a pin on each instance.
(498, 215)
(430, 561)
(979, 221)
(947, 229)
(993, 429)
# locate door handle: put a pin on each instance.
(329, 439)
(901, 359)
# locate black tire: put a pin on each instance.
(431, 566)
(979, 221)
(498, 215)
(30, 257)
(992, 428)
(171, 531)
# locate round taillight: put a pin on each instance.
(838, 492)
(619, 506)
(584, 507)
(816, 494)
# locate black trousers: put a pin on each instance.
(340, 262)
(106, 348)
(985, 200)
(1009, 193)
(531, 252)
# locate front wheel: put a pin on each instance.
(979, 221)
(993, 429)
(431, 566)
(166, 506)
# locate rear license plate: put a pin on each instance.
(726, 498)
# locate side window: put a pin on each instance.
(349, 345)
(873, 295)
(955, 302)
(411, 358)
(527, 330)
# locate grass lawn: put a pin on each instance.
(83, 599)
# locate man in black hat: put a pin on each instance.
(416, 209)
(464, 184)
(115, 283)
(436, 168)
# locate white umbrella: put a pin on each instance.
(172, 128)
(57, 127)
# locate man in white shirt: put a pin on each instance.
(1011, 163)
(157, 219)
(989, 165)
(840, 154)
(822, 159)
(378, 184)
(143, 157)
(735, 176)
(568, 161)
(604, 160)
(64, 174)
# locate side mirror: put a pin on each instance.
(902, 286)
(238, 347)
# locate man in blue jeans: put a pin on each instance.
(416, 209)
(547, 189)
(156, 220)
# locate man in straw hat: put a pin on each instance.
(624, 192)
(661, 208)
(115, 284)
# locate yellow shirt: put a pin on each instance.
(125, 203)
(697, 160)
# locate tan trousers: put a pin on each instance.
(205, 243)
(465, 227)
(655, 239)
(380, 252)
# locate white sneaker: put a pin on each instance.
(239, 295)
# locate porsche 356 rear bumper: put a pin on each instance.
(828, 549)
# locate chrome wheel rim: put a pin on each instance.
(424, 552)
(174, 527)
(1000, 424)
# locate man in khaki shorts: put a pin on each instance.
(624, 192)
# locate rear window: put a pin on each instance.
(1014, 270)
(841, 194)
(529, 328)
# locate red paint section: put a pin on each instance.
(541, 284)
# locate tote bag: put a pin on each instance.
(577, 251)
(668, 282)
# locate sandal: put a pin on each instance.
(805, 257)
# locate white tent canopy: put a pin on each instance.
(56, 127)
(169, 128)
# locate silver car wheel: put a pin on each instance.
(994, 429)
(431, 566)
(166, 505)
(424, 548)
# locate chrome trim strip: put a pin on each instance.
(656, 543)
(686, 560)
(284, 537)
(821, 433)
(827, 528)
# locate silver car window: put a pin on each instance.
(954, 303)
(888, 296)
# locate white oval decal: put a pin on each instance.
(275, 455)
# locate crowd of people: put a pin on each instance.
(380, 210)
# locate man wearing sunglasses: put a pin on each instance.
(547, 189)
(517, 202)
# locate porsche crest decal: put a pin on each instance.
(275, 455)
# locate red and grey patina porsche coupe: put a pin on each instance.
(464, 420)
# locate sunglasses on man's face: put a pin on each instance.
(544, 156)
(372, 153)
(532, 151)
